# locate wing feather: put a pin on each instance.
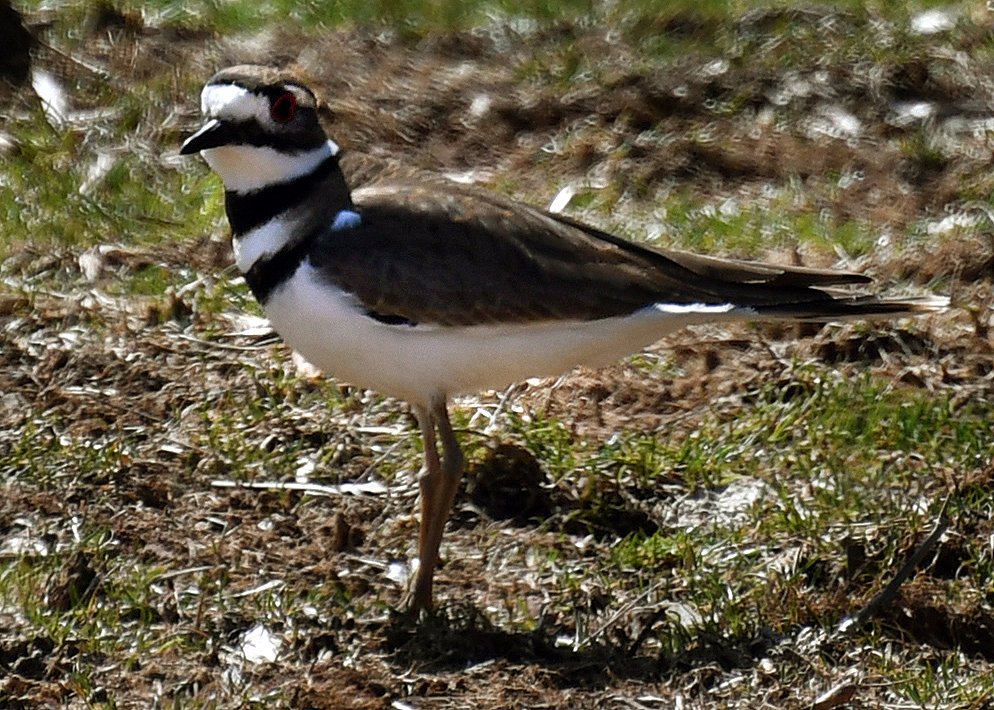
(452, 255)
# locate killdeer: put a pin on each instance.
(423, 290)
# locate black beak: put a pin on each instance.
(213, 134)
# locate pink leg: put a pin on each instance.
(438, 489)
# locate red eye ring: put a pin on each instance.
(284, 108)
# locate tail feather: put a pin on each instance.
(843, 307)
(754, 272)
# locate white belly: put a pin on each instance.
(417, 363)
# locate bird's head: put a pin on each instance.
(262, 128)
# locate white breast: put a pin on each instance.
(327, 327)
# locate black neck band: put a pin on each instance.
(249, 210)
(268, 273)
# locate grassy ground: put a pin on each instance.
(688, 528)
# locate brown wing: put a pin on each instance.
(736, 271)
(455, 255)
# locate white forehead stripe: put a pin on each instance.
(233, 103)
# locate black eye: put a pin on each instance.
(284, 108)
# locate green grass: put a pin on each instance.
(825, 424)
(661, 28)
(414, 17)
(838, 454)
(137, 202)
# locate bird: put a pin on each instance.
(422, 289)
(17, 40)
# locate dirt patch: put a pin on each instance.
(926, 612)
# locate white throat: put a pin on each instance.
(245, 168)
